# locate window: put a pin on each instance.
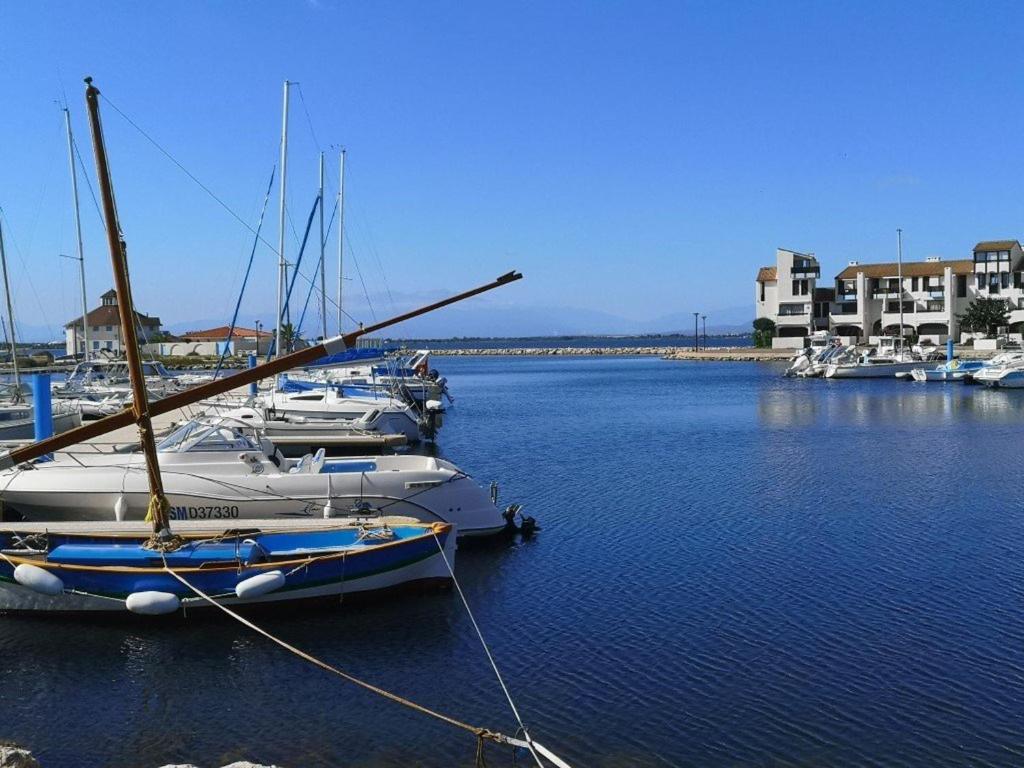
(936, 306)
(961, 286)
(980, 280)
(110, 328)
(96, 328)
(95, 345)
(993, 282)
(762, 299)
(914, 284)
(894, 306)
(110, 345)
(1004, 279)
(788, 310)
(1016, 279)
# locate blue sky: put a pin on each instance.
(634, 160)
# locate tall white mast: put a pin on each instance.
(78, 231)
(282, 267)
(341, 230)
(899, 272)
(323, 283)
(10, 315)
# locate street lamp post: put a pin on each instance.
(696, 336)
(704, 322)
(257, 338)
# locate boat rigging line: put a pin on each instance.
(482, 734)
(245, 279)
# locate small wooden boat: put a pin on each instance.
(92, 570)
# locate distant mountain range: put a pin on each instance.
(484, 319)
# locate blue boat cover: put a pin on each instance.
(135, 556)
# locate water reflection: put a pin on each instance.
(868, 403)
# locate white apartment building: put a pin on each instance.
(867, 297)
(787, 294)
(105, 328)
(999, 273)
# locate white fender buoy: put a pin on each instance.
(328, 510)
(152, 603)
(38, 579)
(433, 405)
(120, 508)
(259, 585)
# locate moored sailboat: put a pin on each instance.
(78, 568)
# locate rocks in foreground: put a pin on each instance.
(13, 756)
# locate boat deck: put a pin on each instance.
(185, 527)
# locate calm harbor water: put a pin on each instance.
(734, 569)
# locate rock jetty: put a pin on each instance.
(668, 353)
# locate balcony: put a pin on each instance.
(806, 272)
(848, 296)
(845, 311)
(885, 293)
(936, 291)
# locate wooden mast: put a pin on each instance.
(158, 505)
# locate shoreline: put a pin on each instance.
(746, 354)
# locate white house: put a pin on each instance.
(787, 294)
(105, 328)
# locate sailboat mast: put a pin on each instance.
(341, 231)
(78, 232)
(323, 283)
(282, 267)
(899, 271)
(10, 315)
(158, 504)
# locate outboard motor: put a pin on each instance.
(432, 418)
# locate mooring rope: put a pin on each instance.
(480, 733)
(487, 650)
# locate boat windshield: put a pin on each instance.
(197, 436)
(155, 369)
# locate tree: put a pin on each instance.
(764, 330)
(985, 315)
(289, 337)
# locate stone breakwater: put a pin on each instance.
(668, 353)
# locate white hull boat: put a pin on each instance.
(222, 470)
(17, 422)
(878, 369)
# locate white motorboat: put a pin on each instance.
(224, 469)
(17, 420)
(411, 375)
(384, 415)
(99, 379)
(953, 370)
(994, 369)
(883, 361)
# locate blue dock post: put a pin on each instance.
(252, 387)
(949, 349)
(42, 409)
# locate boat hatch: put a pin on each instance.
(336, 467)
